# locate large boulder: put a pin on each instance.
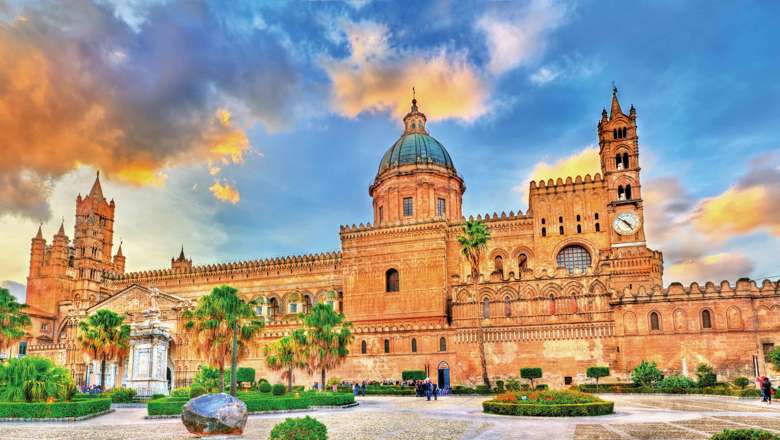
(214, 414)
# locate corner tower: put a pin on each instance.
(416, 179)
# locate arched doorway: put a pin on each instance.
(443, 375)
(169, 378)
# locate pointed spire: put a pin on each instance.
(62, 228)
(96, 191)
(39, 235)
(181, 254)
(615, 110)
(119, 251)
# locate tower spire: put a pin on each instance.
(615, 110)
(181, 254)
(39, 235)
(119, 251)
(62, 227)
(97, 190)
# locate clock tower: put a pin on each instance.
(619, 152)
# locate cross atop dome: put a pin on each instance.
(414, 121)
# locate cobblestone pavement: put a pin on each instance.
(449, 418)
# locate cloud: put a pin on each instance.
(715, 268)
(225, 192)
(18, 290)
(79, 86)
(585, 161)
(567, 68)
(544, 75)
(378, 77)
(750, 205)
(513, 39)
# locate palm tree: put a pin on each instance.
(473, 243)
(223, 325)
(13, 320)
(104, 337)
(287, 353)
(328, 337)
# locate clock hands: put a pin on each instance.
(627, 223)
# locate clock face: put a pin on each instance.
(626, 223)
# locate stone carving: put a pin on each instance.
(680, 320)
(212, 414)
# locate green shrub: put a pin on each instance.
(750, 392)
(180, 392)
(166, 406)
(245, 374)
(597, 373)
(278, 389)
(706, 375)
(742, 382)
(122, 395)
(512, 384)
(299, 388)
(531, 374)
(304, 428)
(378, 390)
(677, 384)
(157, 396)
(541, 387)
(460, 389)
(535, 407)
(413, 375)
(41, 410)
(265, 403)
(500, 386)
(646, 374)
(483, 389)
(744, 434)
(34, 379)
(207, 377)
(331, 399)
(774, 357)
(196, 390)
(264, 387)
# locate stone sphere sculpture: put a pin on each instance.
(212, 414)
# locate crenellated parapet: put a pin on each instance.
(291, 264)
(743, 288)
(578, 183)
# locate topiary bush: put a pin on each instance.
(499, 386)
(541, 387)
(264, 387)
(180, 392)
(646, 374)
(742, 382)
(512, 384)
(706, 375)
(744, 434)
(196, 390)
(597, 373)
(483, 389)
(676, 384)
(531, 374)
(413, 375)
(245, 374)
(122, 395)
(278, 389)
(302, 428)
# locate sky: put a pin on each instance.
(245, 130)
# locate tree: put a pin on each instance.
(104, 337)
(596, 373)
(774, 357)
(208, 378)
(13, 320)
(328, 337)
(531, 374)
(223, 324)
(473, 243)
(646, 374)
(34, 379)
(287, 353)
(706, 375)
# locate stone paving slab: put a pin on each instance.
(657, 431)
(594, 432)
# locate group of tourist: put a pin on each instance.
(426, 388)
(765, 385)
(359, 388)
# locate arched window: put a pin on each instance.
(614, 133)
(387, 346)
(273, 308)
(522, 262)
(560, 230)
(414, 345)
(621, 193)
(625, 160)
(542, 220)
(507, 307)
(306, 303)
(578, 217)
(598, 227)
(499, 264)
(573, 257)
(625, 131)
(485, 308)
(579, 229)
(618, 162)
(552, 304)
(628, 192)
(442, 344)
(560, 219)
(363, 347)
(544, 232)
(706, 319)
(391, 280)
(655, 322)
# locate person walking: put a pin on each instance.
(766, 389)
(435, 391)
(363, 388)
(356, 389)
(760, 386)
(428, 389)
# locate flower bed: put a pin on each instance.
(548, 404)
(56, 410)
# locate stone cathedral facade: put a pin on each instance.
(566, 285)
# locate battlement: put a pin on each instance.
(278, 263)
(561, 185)
(743, 287)
(495, 217)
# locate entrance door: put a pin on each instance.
(444, 375)
(169, 377)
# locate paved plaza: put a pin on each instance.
(386, 418)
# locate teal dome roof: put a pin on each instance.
(416, 148)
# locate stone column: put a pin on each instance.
(149, 342)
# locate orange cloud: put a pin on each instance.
(585, 161)
(716, 267)
(378, 77)
(225, 192)
(739, 211)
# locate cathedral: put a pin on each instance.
(567, 285)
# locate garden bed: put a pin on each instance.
(56, 411)
(257, 403)
(548, 404)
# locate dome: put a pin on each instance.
(416, 148)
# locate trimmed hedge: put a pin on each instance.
(166, 407)
(391, 391)
(256, 402)
(56, 410)
(303, 428)
(264, 387)
(413, 375)
(331, 399)
(718, 390)
(276, 403)
(278, 389)
(744, 434)
(559, 410)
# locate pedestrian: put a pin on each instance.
(356, 389)
(766, 388)
(435, 391)
(363, 388)
(760, 386)
(428, 389)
